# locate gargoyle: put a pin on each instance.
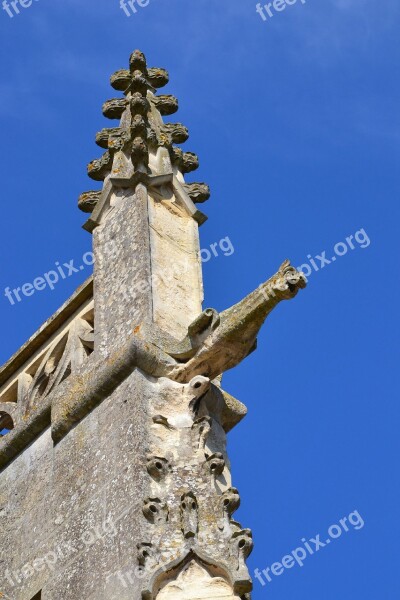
(233, 336)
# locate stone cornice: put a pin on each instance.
(78, 395)
(215, 343)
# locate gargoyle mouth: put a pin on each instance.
(296, 283)
(294, 279)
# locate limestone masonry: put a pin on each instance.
(115, 482)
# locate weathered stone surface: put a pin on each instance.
(81, 497)
(158, 77)
(194, 581)
(120, 80)
(113, 109)
(103, 136)
(185, 161)
(122, 272)
(176, 273)
(98, 169)
(198, 192)
(178, 132)
(167, 104)
(88, 201)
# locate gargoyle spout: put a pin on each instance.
(236, 335)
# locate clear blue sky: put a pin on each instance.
(296, 123)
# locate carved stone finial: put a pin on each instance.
(141, 149)
(137, 61)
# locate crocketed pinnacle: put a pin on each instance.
(142, 146)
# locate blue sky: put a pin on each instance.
(296, 123)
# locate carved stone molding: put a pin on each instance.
(139, 104)
(187, 445)
(189, 515)
(195, 573)
(201, 429)
(195, 580)
(215, 464)
(147, 555)
(158, 467)
(155, 511)
(230, 501)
